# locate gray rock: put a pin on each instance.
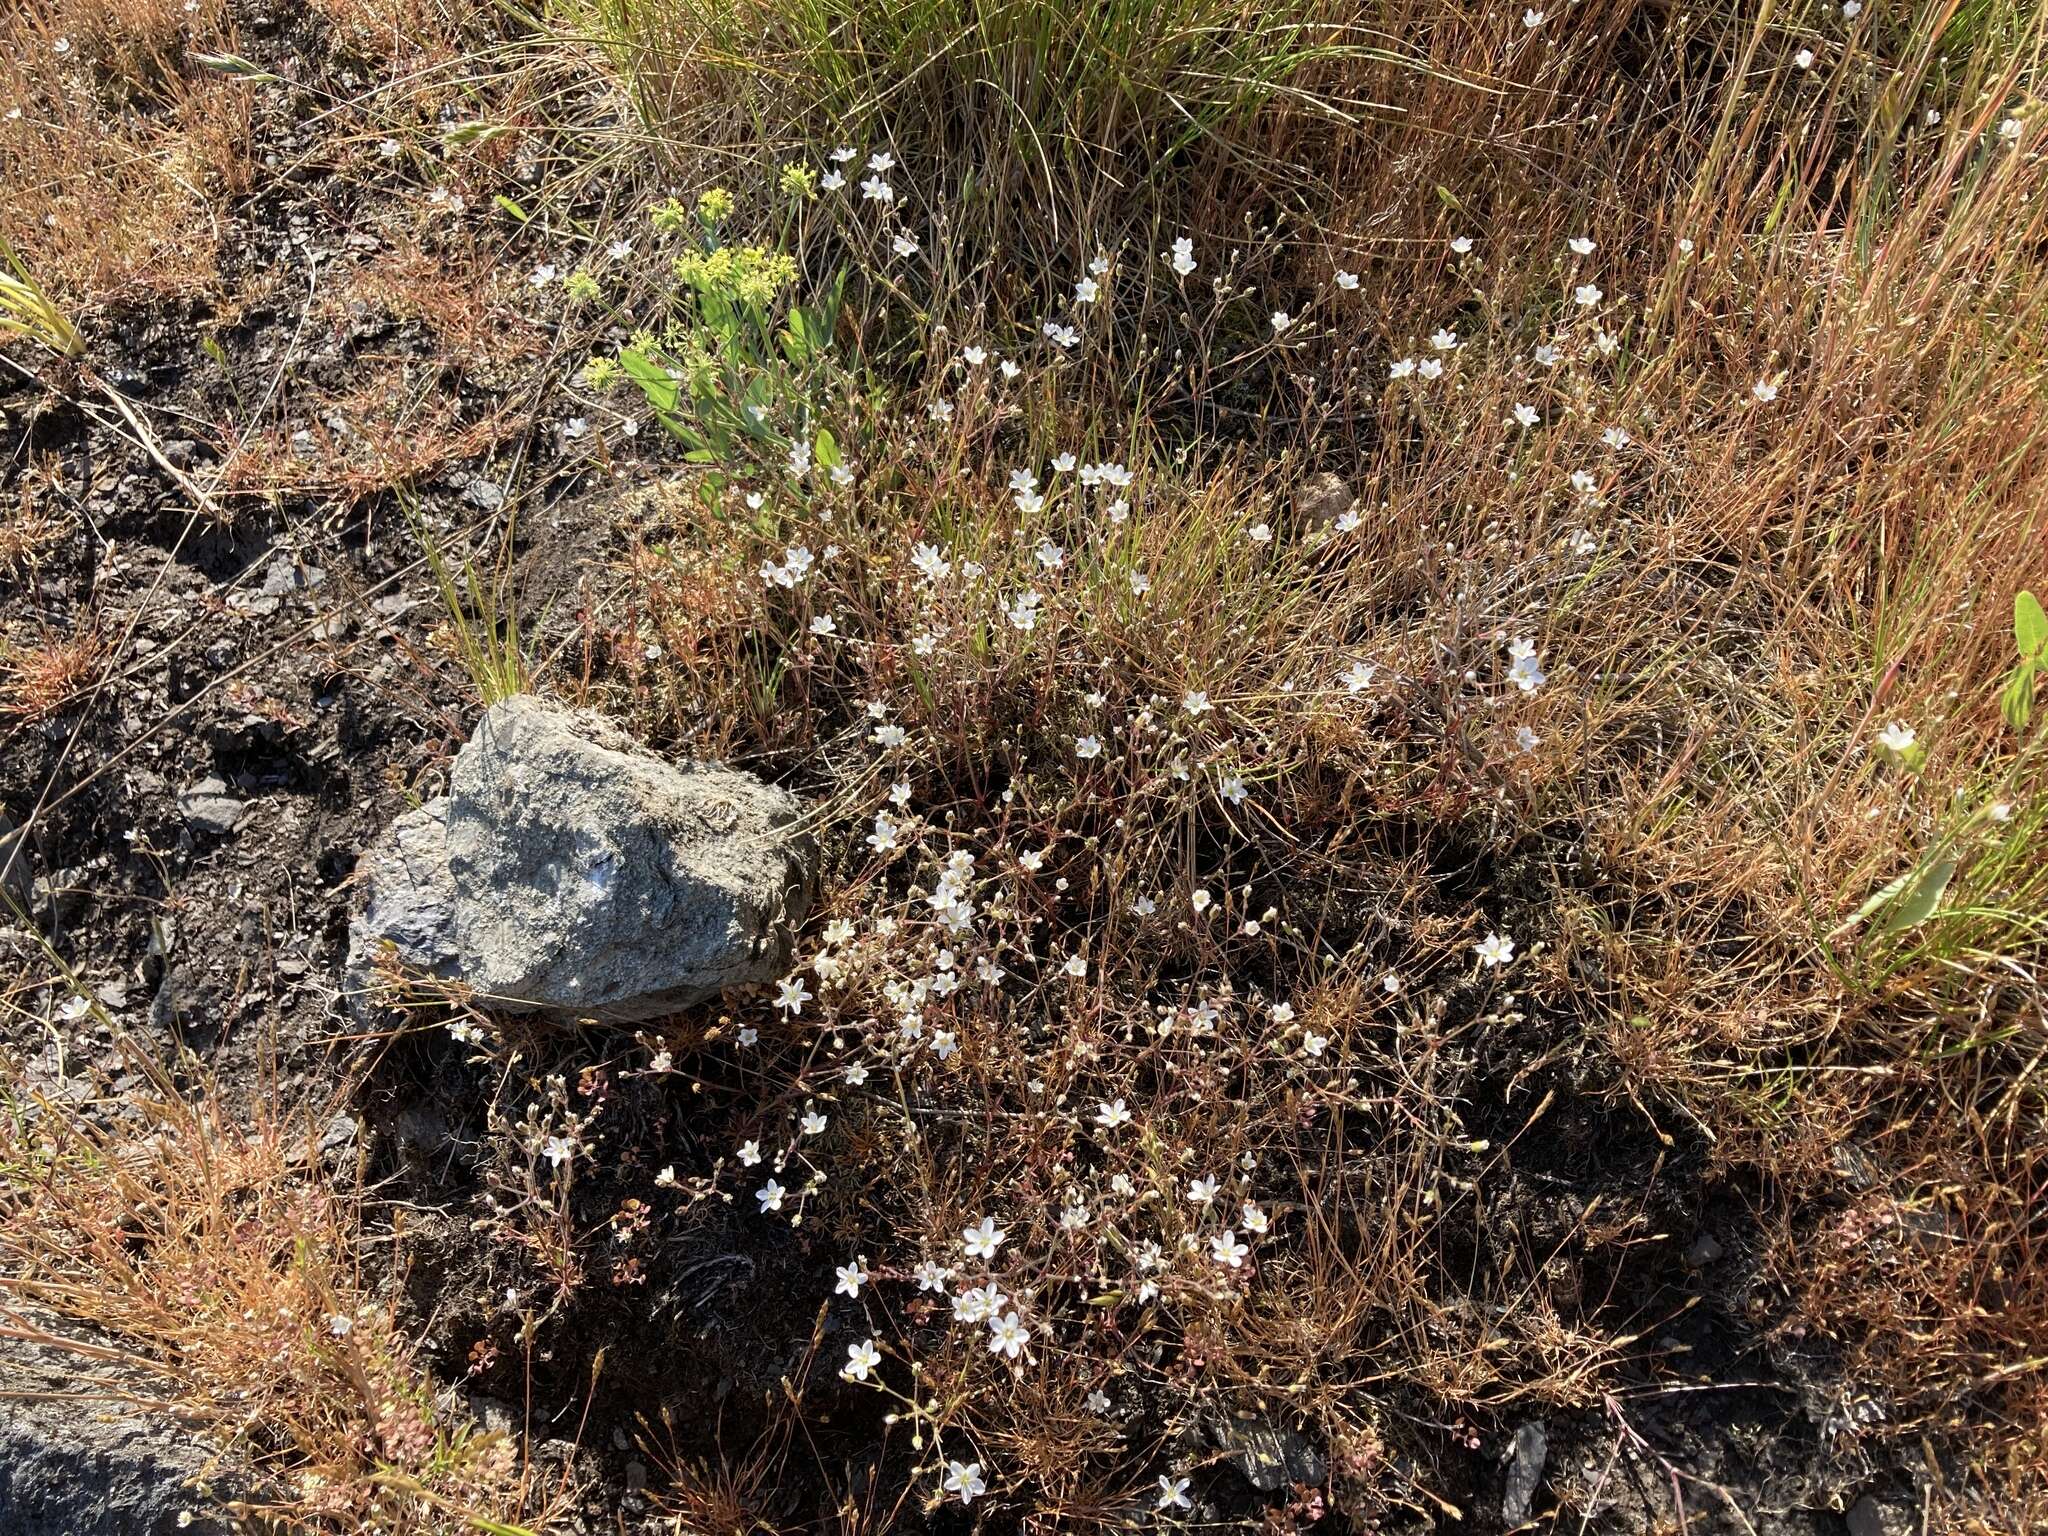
(1269, 1456)
(1704, 1250)
(1321, 499)
(572, 872)
(80, 1457)
(408, 921)
(1871, 1516)
(1525, 1472)
(208, 807)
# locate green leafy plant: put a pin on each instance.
(28, 311)
(737, 370)
(2030, 634)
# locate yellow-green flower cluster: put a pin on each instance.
(715, 206)
(798, 182)
(745, 274)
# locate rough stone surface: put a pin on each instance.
(76, 1459)
(1525, 1473)
(1321, 499)
(1268, 1456)
(208, 807)
(570, 871)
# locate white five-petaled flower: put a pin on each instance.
(1202, 1191)
(1524, 670)
(1086, 291)
(1897, 738)
(813, 1123)
(1007, 1335)
(1196, 702)
(860, 1359)
(1461, 245)
(770, 1195)
(1496, 949)
(851, 1278)
(1526, 416)
(1173, 1493)
(1229, 1249)
(964, 1478)
(1586, 295)
(1182, 257)
(1086, 747)
(1764, 390)
(750, 1153)
(1113, 1114)
(1444, 340)
(1280, 320)
(1346, 280)
(791, 994)
(983, 1239)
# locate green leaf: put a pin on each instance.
(826, 449)
(2016, 699)
(2029, 626)
(507, 205)
(1918, 894)
(653, 379)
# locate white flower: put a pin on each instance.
(1461, 245)
(791, 994)
(974, 357)
(1313, 1044)
(881, 161)
(1586, 295)
(1526, 416)
(1532, 19)
(1851, 9)
(1111, 1115)
(541, 275)
(1897, 738)
(1140, 583)
(1182, 257)
(770, 1195)
(1346, 280)
(964, 1478)
(339, 1324)
(2011, 129)
(1280, 320)
(1076, 966)
(1615, 437)
(1063, 463)
(824, 626)
(1007, 1335)
(1255, 1220)
(851, 1278)
(1764, 391)
(832, 181)
(1359, 677)
(1524, 671)
(903, 245)
(1173, 1493)
(1228, 1249)
(557, 1150)
(1202, 1191)
(1402, 369)
(1259, 533)
(876, 190)
(1803, 58)
(930, 1276)
(750, 1152)
(813, 1123)
(1199, 899)
(1086, 291)
(1496, 949)
(1526, 740)
(1196, 702)
(1086, 747)
(1050, 555)
(1547, 355)
(1062, 336)
(860, 1359)
(1232, 789)
(1430, 368)
(1444, 340)
(982, 1240)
